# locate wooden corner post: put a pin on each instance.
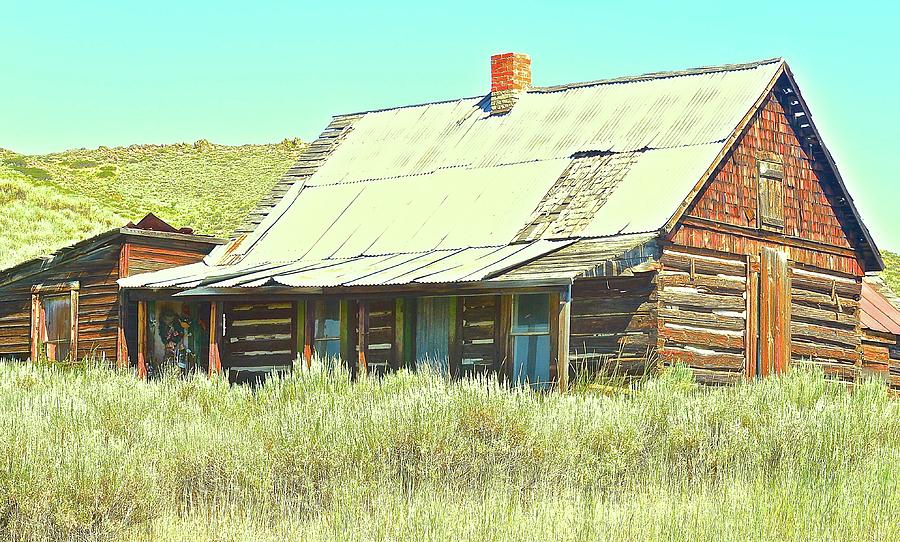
(362, 336)
(563, 314)
(215, 337)
(142, 346)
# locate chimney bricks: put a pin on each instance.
(510, 76)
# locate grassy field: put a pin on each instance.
(68, 196)
(89, 454)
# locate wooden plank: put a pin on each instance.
(752, 331)
(502, 357)
(215, 337)
(362, 320)
(703, 338)
(143, 354)
(35, 326)
(73, 321)
(715, 360)
(702, 319)
(455, 335)
(563, 318)
(701, 300)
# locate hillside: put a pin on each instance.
(95, 455)
(891, 273)
(52, 200)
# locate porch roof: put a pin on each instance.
(519, 263)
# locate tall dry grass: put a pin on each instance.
(90, 454)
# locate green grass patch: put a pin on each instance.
(208, 187)
(891, 273)
(90, 454)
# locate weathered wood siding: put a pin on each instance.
(825, 321)
(613, 325)
(476, 334)
(381, 334)
(258, 335)
(96, 272)
(150, 254)
(724, 216)
(702, 312)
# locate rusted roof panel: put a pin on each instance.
(877, 313)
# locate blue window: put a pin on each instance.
(531, 340)
(328, 329)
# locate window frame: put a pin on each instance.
(769, 172)
(316, 340)
(39, 321)
(548, 332)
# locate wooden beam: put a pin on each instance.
(142, 353)
(215, 337)
(400, 353)
(751, 335)
(501, 338)
(346, 333)
(362, 336)
(563, 319)
(73, 321)
(35, 326)
(121, 340)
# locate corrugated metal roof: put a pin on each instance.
(448, 185)
(877, 313)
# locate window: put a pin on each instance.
(327, 333)
(771, 195)
(54, 317)
(530, 335)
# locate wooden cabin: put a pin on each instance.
(880, 320)
(67, 305)
(535, 233)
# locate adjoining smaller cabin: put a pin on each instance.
(67, 305)
(880, 321)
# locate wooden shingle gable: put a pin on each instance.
(776, 153)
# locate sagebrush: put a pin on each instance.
(91, 454)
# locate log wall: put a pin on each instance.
(613, 325)
(825, 326)
(702, 313)
(258, 336)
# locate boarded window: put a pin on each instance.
(54, 320)
(57, 332)
(328, 329)
(771, 195)
(530, 333)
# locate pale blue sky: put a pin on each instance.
(114, 73)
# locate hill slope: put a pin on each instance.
(52, 200)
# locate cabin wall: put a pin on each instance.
(96, 272)
(702, 312)
(258, 336)
(825, 327)
(146, 254)
(613, 325)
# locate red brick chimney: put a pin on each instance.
(510, 75)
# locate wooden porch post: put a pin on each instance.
(121, 342)
(142, 354)
(362, 336)
(215, 337)
(35, 325)
(564, 311)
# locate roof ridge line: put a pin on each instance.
(701, 70)
(568, 86)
